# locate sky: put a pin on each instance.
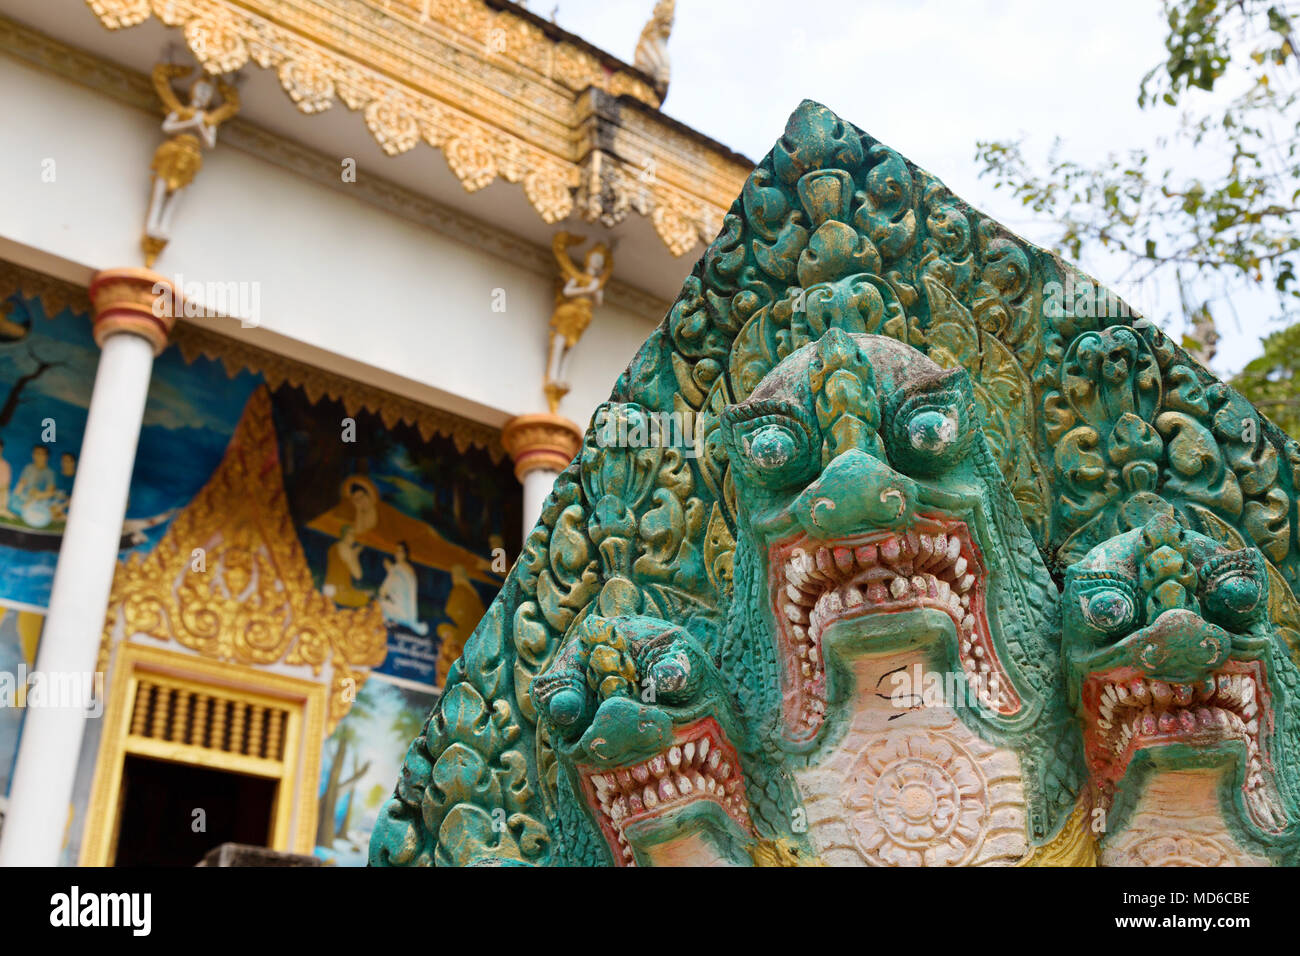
(929, 78)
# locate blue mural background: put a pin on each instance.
(47, 369)
(417, 525)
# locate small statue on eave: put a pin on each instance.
(652, 49)
(580, 290)
(191, 126)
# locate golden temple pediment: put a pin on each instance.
(230, 580)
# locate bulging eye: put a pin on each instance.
(771, 446)
(1109, 610)
(1233, 590)
(774, 449)
(1101, 607)
(931, 430)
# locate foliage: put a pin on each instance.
(1231, 68)
(1271, 381)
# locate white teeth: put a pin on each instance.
(824, 583)
(650, 798)
(675, 757)
(704, 749)
(1222, 703)
(688, 753)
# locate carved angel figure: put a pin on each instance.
(582, 290)
(191, 126)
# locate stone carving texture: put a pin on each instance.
(925, 454)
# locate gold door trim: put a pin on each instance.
(286, 748)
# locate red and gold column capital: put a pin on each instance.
(133, 300)
(541, 441)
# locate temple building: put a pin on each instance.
(303, 307)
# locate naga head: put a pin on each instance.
(1185, 692)
(878, 549)
(643, 730)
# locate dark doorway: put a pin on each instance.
(159, 800)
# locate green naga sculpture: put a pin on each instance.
(958, 562)
(1183, 685)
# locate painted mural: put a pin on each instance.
(47, 368)
(421, 528)
(359, 761)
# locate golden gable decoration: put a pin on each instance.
(546, 105)
(229, 579)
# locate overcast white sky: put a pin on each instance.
(928, 77)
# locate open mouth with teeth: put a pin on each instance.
(699, 765)
(817, 582)
(1129, 713)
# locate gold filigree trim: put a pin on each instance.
(133, 89)
(410, 68)
(229, 579)
(278, 371)
(56, 295)
(294, 820)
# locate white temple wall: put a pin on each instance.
(337, 282)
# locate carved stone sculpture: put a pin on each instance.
(900, 542)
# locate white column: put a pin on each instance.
(541, 446)
(537, 485)
(48, 755)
